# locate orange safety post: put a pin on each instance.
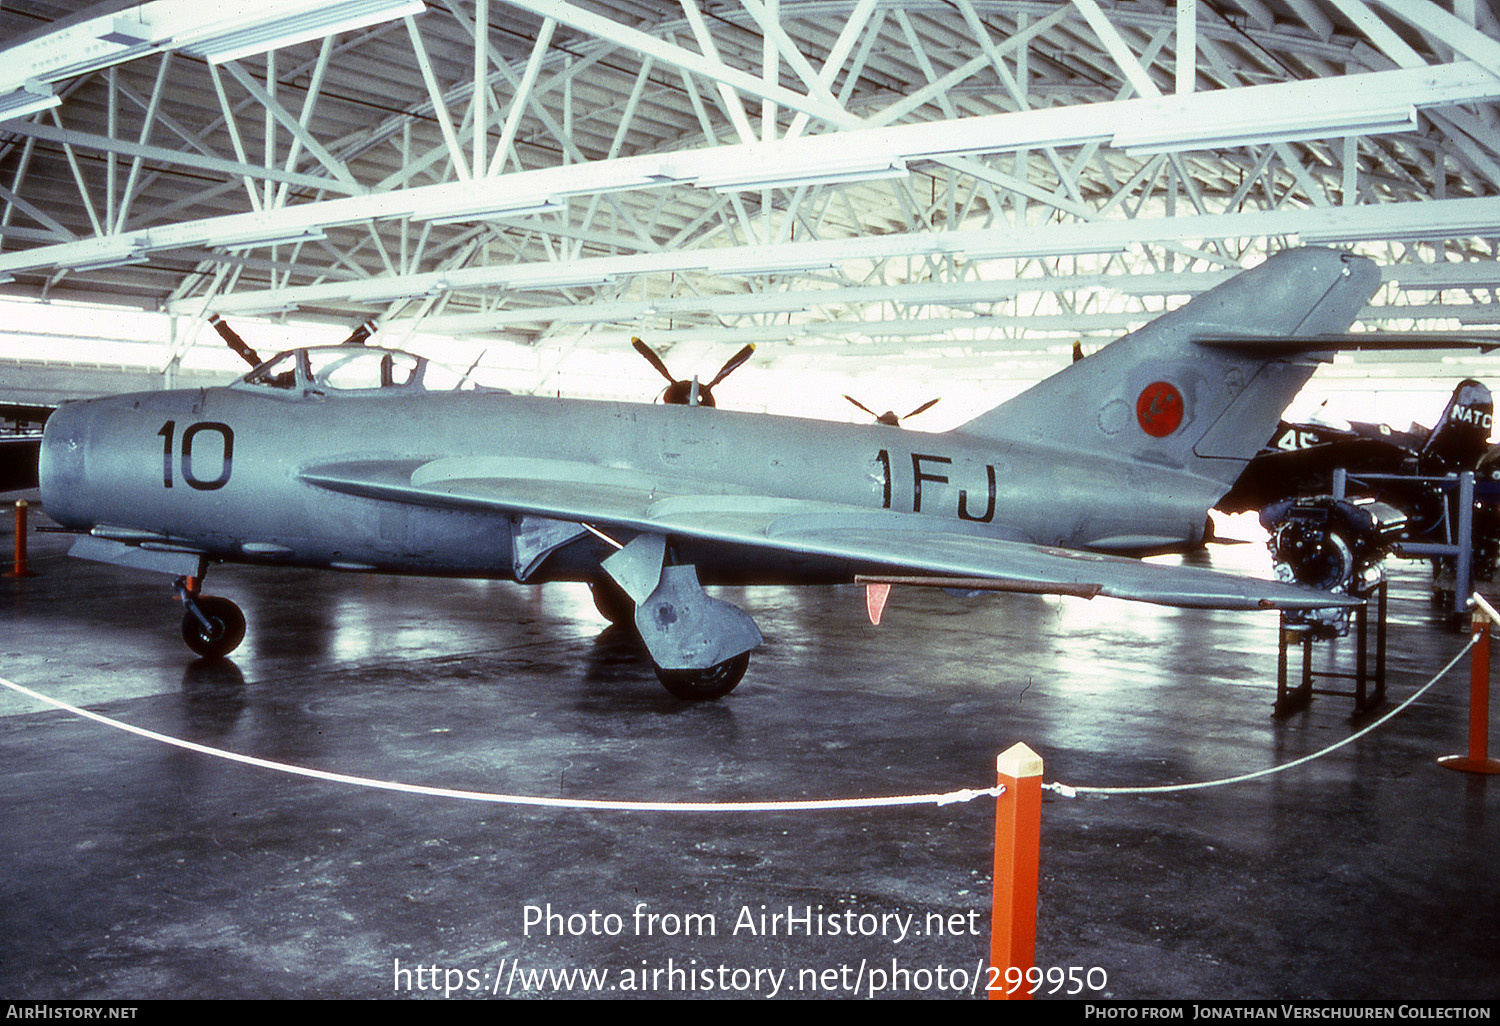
(1478, 760)
(1018, 843)
(19, 569)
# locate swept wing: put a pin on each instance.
(628, 500)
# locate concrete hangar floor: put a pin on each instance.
(134, 870)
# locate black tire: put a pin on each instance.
(613, 602)
(704, 685)
(227, 623)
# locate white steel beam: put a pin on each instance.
(733, 108)
(1455, 32)
(296, 128)
(518, 104)
(439, 105)
(147, 123)
(859, 18)
(1379, 33)
(178, 158)
(772, 31)
(716, 71)
(1433, 219)
(1119, 51)
(478, 116)
(1187, 45)
(1249, 110)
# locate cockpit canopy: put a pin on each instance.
(323, 370)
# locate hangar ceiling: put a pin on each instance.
(947, 176)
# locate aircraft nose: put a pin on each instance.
(61, 468)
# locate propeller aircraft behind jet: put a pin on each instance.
(1300, 459)
(351, 457)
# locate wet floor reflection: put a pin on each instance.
(213, 692)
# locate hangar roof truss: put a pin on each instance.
(976, 172)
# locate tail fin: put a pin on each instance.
(1158, 396)
(1462, 435)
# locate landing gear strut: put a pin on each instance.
(212, 626)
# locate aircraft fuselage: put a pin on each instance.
(220, 470)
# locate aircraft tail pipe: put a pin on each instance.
(1484, 617)
(19, 569)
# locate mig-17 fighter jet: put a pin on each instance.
(351, 457)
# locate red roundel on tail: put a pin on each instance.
(1159, 409)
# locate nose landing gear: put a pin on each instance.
(212, 625)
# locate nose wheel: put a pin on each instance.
(704, 685)
(212, 626)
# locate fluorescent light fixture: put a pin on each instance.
(135, 256)
(1168, 138)
(234, 244)
(274, 32)
(1023, 248)
(78, 48)
(244, 238)
(383, 290)
(1186, 283)
(579, 279)
(122, 31)
(491, 212)
(1451, 230)
(102, 252)
(31, 97)
(793, 178)
(1478, 274)
(778, 265)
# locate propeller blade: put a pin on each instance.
(734, 364)
(465, 379)
(652, 359)
(232, 338)
(923, 408)
(862, 406)
(358, 335)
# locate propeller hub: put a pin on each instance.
(689, 392)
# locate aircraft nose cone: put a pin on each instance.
(61, 466)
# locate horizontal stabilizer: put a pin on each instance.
(1372, 341)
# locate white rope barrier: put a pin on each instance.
(1068, 791)
(946, 798)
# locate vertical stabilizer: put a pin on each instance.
(1462, 435)
(1157, 397)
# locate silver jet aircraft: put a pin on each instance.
(350, 457)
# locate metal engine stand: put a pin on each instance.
(1369, 682)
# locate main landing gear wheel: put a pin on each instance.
(701, 685)
(612, 601)
(225, 630)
